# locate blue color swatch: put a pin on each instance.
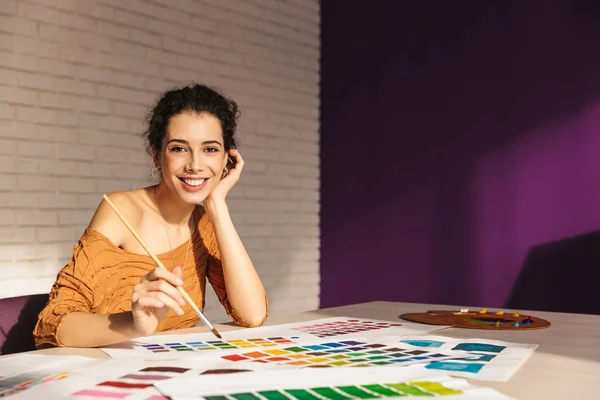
(423, 343)
(453, 366)
(477, 357)
(490, 348)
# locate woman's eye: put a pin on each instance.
(177, 149)
(211, 150)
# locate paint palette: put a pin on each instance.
(348, 353)
(344, 327)
(200, 346)
(373, 391)
(481, 319)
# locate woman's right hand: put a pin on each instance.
(153, 297)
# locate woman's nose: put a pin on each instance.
(196, 163)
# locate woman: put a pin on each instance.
(111, 290)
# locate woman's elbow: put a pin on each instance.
(256, 321)
(256, 318)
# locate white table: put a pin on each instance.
(566, 365)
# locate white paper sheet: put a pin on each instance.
(199, 345)
(21, 372)
(486, 359)
(473, 358)
(131, 378)
(481, 359)
(325, 384)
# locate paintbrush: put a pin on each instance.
(160, 264)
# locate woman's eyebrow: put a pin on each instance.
(183, 141)
(179, 141)
(212, 142)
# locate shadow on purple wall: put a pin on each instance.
(455, 137)
(561, 276)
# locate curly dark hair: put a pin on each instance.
(194, 98)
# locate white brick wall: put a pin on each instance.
(76, 79)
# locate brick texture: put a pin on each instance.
(78, 76)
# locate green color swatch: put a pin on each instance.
(436, 387)
(357, 392)
(329, 393)
(383, 391)
(408, 389)
(302, 394)
(356, 354)
(372, 391)
(273, 395)
(296, 349)
(245, 396)
(339, 357)
(378, 358)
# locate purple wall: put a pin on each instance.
(455, 137)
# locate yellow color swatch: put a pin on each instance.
(319, 360)
(277, 352)
(296, 356)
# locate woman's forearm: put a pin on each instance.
(79, 329)
(244, 288)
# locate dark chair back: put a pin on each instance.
(18, 316)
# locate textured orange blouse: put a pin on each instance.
(100, 278)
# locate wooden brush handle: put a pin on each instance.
(133, 232)
(185, 295)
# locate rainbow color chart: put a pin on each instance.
(347, 353)
(162, 347)
(201, 346)
(344, 327)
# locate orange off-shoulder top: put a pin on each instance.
(100, 277)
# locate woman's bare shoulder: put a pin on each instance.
(131, 204)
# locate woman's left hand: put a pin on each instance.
(219, 193)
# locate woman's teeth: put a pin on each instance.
(194, 182)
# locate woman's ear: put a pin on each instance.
(226, 160)
(155, 159)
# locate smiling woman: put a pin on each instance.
(111, 291)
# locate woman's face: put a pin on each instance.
(193, 156)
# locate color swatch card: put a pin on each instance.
(129, 378)
(21, 372)
(490, 360)
(201, 344)
(336, 353)
(194, 345)
(330, 384)
(346, 326)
